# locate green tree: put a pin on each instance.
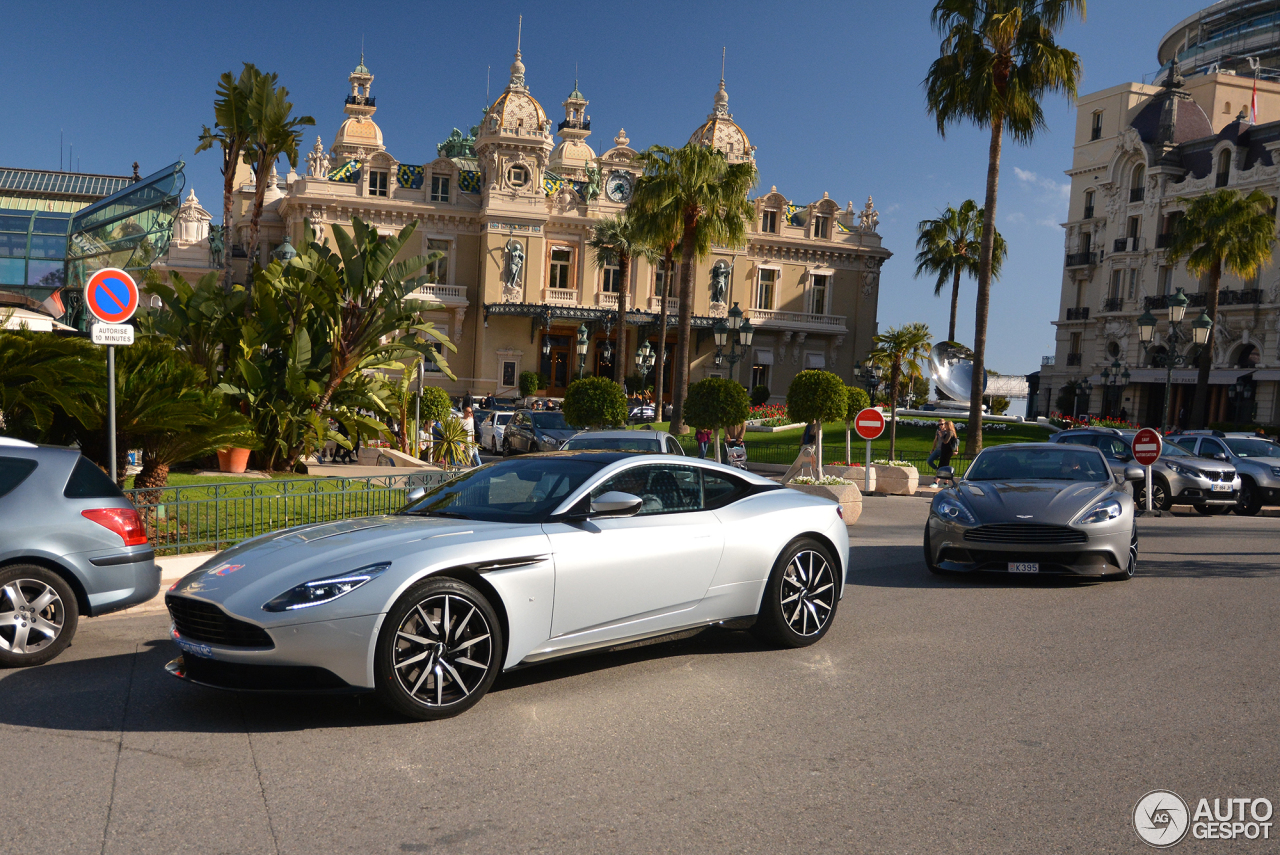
(436, 405)
(595, 402)
(661, 231)
(902, 350)
(204, 319)
(857, 400)
(232, 128)
(815, 397)
(696, 192)
(1221, 231)
(998, 59)
(716, 403)
(616, 241)
(529, 383)
(950, 245)
(274, 132)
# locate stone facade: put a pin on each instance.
(511, 211)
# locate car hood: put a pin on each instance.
(1204, 464)
(557, 434)
(246, 576)
(1051, 502)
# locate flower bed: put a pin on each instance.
(825, 481)
(1066, 422)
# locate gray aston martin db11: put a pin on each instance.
(1035, 508)
(511, 564)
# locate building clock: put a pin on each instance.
(618, 187)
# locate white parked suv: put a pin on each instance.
(1256, 459)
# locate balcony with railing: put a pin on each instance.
(772, 319)
(1081, 259)
(1164, 240)
(1080, 314)
(1113, 304)
(1136, 194)
(450, 295)
(1073, 359)
(577, 124)
(1161, 301)
(1243, 297)
(673, 305)
(561, 296)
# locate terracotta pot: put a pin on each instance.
(234, 460)
(848, 495)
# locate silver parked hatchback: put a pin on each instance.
(71, 545)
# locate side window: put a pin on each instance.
(13, 471)
(1187, 442)
(89, 482)
(1079, 439)
(1114, 449)
(1210, 447)
(662, 489)
(719, 490)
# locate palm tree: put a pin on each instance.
(1221, 230)
(617, 240)
(661, 232)
(43, 376)
(232, 128)
(696, 187)
(998, 59)
(950, 245)
(274, 131)
(903, 351)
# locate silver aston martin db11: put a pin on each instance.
(510, 564)
(1035, 508)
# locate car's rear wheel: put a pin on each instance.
(1249, 501)
(1212, 510)
(506, 447)
(439, 651)
(38, 615)
(801, 596)
(1159, 496)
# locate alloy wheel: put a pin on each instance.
(443, 650)
(32, 615)
(808, 593)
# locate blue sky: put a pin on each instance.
(828, 91)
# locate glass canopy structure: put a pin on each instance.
(45, 254)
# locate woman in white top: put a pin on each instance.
(469, 424)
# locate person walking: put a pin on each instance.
(936, 452)
(703, 437)
(810, 435)
(950, 444)
(469, 424)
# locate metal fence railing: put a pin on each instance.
(784, 454)
(212, 516)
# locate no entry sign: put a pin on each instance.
(111, 296)
(1147, 446)
(869, 423)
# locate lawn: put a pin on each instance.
(191, 479)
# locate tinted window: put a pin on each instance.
(87, 481)
(719, 490)
(607, 443)
(550, 421)
(1039, 464)
(1210, 447)
(673, 447)
(1114, 448)
(1170, 449)
(1078, 439)
(1187, 442)
(13, 471)
(502, 418)
(520, 490)
(1253, 448)
(662, 489)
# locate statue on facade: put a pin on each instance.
(318, 161)
(457, 145)
(217, 245)
(511, 290)
(720, 281)
(868, 218)
(591, 189)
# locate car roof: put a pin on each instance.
(8, 441)
(622, 434)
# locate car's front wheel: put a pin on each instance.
(38, 615)
(439, 650)
(1159, 496)
(1250, 500)
(801, 596)
(1132, 566)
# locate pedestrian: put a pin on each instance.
(950, 443)
(810, 435)
(340, 453)
(467, 403)
(938, 437)
(703, 437)
(469, 424)
(1124, 414)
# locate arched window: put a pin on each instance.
(1224, 167)
(1248, 357)
(1135, 183)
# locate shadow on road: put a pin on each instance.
(903, 567)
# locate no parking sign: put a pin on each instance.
(111, 295)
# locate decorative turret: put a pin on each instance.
(720, 131)
(572, 156)
(358, 133)
(514, 139)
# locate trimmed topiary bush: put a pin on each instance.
(760, 395)
(595, 402)
(528, 383)
(857, 401)
(715, 404)
(435, 404)
(817, 396)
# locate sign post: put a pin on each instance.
(112, 298)
(1147, 446)
(869, 424)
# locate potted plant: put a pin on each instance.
(814, 397)
(896, 477)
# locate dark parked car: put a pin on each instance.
(535, 430)
(70, 544)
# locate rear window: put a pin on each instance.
(87, 481)
(719, 489)
(13, 471)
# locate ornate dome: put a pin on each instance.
(515, 107)
(358, 132)
(722, 132)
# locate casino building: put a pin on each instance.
(510, 206)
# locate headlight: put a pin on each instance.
(1275, 470)
(1102, 512)
(326, 590)
(1184, 469)
(950, 509)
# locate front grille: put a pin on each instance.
(1219, 476)
(1025, 533)
(200, 621)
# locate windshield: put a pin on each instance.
(1252, 447)
(550, 421)
(523, 490)
(1171, 450)
(616, 443)
(1039, 464)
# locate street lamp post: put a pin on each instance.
(870, 377)
(1115, 380)
(742, 334)
(1083, 390)
(1200, 328)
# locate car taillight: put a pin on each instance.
(840, 511)
(123, 521)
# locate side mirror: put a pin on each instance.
(1219, 456)
(415, 494)
(615, 504)
(945, 473)
(1134, 473)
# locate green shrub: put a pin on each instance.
(858, 400)
(435, 404)
(530, 382)
(716, 403)
(997, 404)
(595, 402)
(760, 395)
(817, 396)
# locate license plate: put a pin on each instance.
(204, 651)
(1220, 487)
(1023, 567)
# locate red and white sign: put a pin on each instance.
(111, 295)
(869, 423)
(1147, 445)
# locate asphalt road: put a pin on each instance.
(986, 716)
